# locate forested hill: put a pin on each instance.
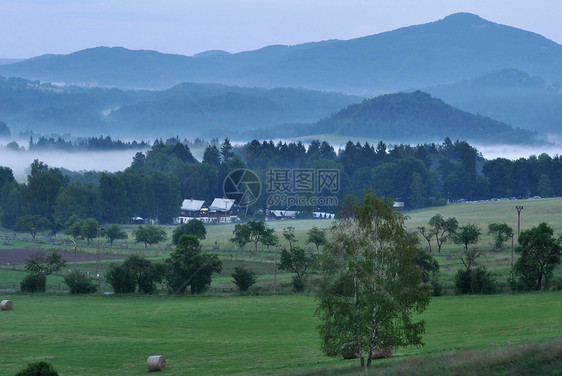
(411, 117)
(457, 47)
(188, 109)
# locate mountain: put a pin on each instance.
(460, 46)
(414, 117)
(186, 110)
(508, 95)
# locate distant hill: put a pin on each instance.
(186, 110)
(460, 46)
(413, 117)
(508, 95)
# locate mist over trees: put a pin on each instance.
(157, 181)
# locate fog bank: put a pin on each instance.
(111, 161)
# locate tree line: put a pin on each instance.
(158, 180)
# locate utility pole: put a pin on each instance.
(519, 208)
(512, 256)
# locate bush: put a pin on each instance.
(299, 283)
(79, 283)
(121, 279)
(34, 282)
(38, 369)
(475, 281)
(244, 278)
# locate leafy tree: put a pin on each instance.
(193, 227)
(165, 197)
(33, 224)
(113, 196)
(467, 234)
(540, 253)
(269, 238)
(114, 233)
(241, 235)
(73, 227)
(370, 284)
(289, 235)
(11, 204)
(83, 200)
(43, 185)
(89, 229)
(317, 236)
(121, 279)
(298, 261)
(427, 235)
(79, 283)
(40, 264)
(501, 233)
(244, 278)
(256, 230)
(149, 235)
(189, 267)
(136, 273)
(427, 264)
(444, 229)
(544, 186)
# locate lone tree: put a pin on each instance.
(193, 227)
(317, 236)
(149, 235)
(501, 232)
(289, 235)
(187, 266)
(467, 234)
(115, 233)
(444, 229)
(296, 260)
(540, 254)
(370, 286)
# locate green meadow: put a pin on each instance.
(242, 335)
(274, 331)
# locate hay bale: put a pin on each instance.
(156, 363)
(383, 353)
(350, 350)
(6, 305)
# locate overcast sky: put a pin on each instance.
(30, 28)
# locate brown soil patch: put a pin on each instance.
(20, 256)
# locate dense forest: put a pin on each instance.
(158, 180)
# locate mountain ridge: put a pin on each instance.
(459, 46)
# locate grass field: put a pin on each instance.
(92, 335)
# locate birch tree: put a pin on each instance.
(370, 286)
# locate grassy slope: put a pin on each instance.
(239, 335)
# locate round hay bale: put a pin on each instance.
(156, 363)
(6, 305)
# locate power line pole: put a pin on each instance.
(519, 208)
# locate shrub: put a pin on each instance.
(299, 283)
(475, 281)
(34, 282)
(38, 369)
(79, 283)
(121, 279)
(244, 278)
